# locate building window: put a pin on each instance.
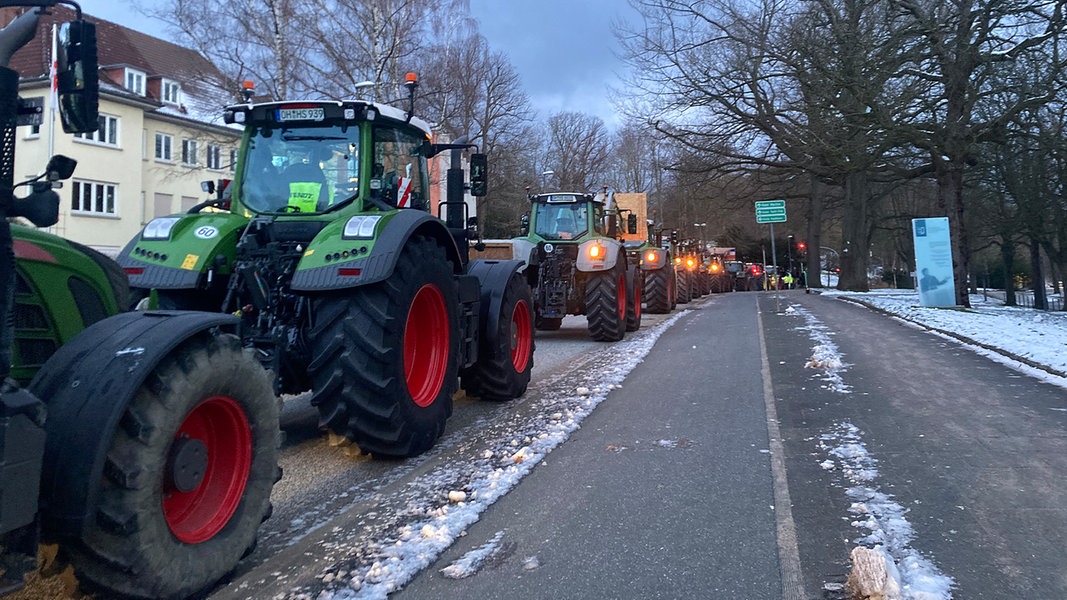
(93, 198)
(164, 147)
(233, 160)
(135, 81)
(107, 131)
(172, 92)
(214, 157)
(189, 156)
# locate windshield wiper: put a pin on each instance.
(311, 138)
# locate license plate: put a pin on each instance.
(300, 114)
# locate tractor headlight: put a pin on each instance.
(159, 229)
(596, 252)
(651, 256)
(360, 227)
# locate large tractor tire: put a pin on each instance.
(605, 304)
(548, 323)
(684, 287)
(503, 368)
(635, 283)
(385, 356)
(188, 477)
(658, 290)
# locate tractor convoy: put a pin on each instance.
(140, 396)
(144, 443)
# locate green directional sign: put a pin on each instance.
(770, 211)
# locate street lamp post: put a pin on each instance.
(790, 254)
(543, 175)
(700, 230)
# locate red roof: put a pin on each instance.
(117, 46)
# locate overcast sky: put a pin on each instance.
(564, 50)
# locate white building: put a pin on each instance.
(160, 135)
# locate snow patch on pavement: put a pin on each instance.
(888, 531)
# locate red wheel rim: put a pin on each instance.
(220, 424)
(426, 338)
(621, 295)
(521, 336)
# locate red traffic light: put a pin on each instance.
(801, 246)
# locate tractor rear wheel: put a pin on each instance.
(503, 368)
(385, 356)
(658, 290)
(188, 476)
(635, 283)
(605, 303)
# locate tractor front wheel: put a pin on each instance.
(658, 290)
(605, 304)
(187, 478)
(503, 368)
(385, 356)
(685, 286)
(635, 282)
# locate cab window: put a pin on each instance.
(398, 171)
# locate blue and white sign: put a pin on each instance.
(933, 262)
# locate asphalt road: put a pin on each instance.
(703, 475)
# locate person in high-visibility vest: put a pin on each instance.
(308, 189)
(787, 279)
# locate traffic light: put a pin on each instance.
(801, 246)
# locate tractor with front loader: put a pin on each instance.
(326, 249)
(144, 446)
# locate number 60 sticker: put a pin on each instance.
(206, 232)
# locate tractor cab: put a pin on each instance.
(566, 217)
(303, 158)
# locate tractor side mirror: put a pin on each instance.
(77, 81)
(631, 223)
(524, 225)
(59, 167)
(479, 174)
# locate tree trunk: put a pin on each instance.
(950, 200)
(1037, 277)
(813, 268)
(1007, 256)
(856, 231)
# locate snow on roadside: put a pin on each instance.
(1038, 337)
(427, 522)
(884, 519)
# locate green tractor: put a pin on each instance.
(576, 266)
(660, 293)
(325, 249)
(144, 445)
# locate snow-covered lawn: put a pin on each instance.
(1035, 338)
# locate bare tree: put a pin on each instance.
(578, 151)
(961, 47)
